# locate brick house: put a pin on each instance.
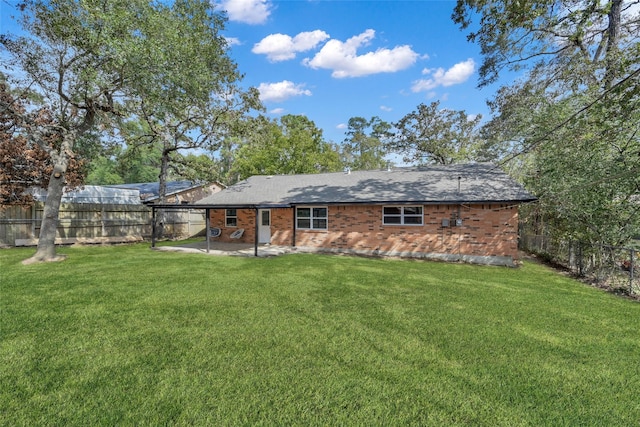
(457, 212)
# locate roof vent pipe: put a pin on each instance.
(459, 178)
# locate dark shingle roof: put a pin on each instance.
(477, 182)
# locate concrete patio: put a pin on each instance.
(228, 249)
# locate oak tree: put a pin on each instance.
(432, 134)
(94, 62)
(295, 145)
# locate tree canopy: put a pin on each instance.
(364, 146)
(432, 134)
(94, 63)
(572, 120)
(24, 164)
(293, 146)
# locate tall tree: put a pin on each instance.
(195, 123)
(364, 146)
(295, 145)
(209, 105)
(572, 121)
(92, 61)
(432, 134)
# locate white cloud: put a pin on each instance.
(342, 57)
(277, 111)
(280, 47)
(233, 41)
(247, 11)
(385, 108)
(281, 91)
(457, 74)
(342, 126)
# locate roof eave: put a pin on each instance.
(275, 205)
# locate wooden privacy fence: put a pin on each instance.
(96, 223)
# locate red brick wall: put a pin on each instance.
(487, 230)
(246, 220)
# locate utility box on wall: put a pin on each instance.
(454, 222)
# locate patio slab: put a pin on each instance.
(228, 249)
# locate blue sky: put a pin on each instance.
(333, 60)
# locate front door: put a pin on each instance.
(264, 226)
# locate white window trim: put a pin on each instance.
(311, 217)
(226, 224)
(402, 215)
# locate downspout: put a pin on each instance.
(293, 238)
(255, 237)
(207, 223)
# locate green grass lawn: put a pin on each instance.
(123, 335)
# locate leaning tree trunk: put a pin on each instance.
(162, 185)
(46, 250)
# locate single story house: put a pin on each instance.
(463, 212)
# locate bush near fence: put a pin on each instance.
(95, 223)
(615, 268)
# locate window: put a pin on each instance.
(231, 218)
(402, 215)
(265, 218)
(311, 218)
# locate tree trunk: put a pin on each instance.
(612, 52)
(162, 184)
(46, 250)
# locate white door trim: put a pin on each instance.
(264, 225)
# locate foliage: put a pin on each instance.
(118, 165)
(140, 164)
(572, 120)
(364, 146)
(197, 168)
(588, 188)
(225, 159)
(581, 40)
(293, 146)
(432, 134)
(95, 63)
(309, 340)
(24, 164)
(103, 172)
(208, 109)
